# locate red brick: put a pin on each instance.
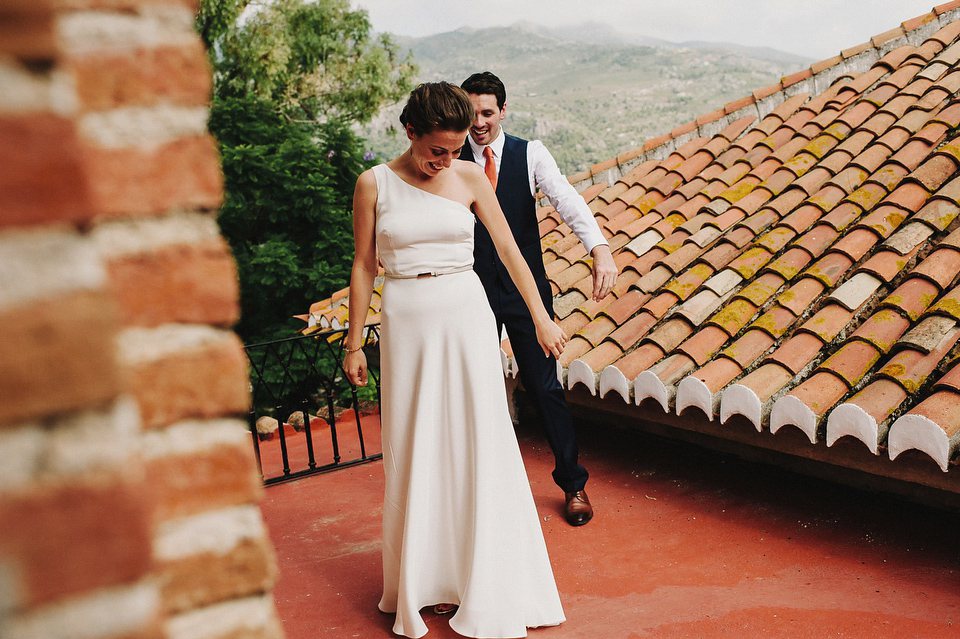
(57, 356)
(198, 383)
(189, 484)
(172, 75)
(181, 174)
(74, 538)
(190, 284)
(27, 32)
(120, 5)
(208, 578)
(42, 182)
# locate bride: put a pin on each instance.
(460, 528)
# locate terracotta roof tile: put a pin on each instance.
(828, 322)
(734, 316)
(602, 356)
(856, 243)
(941, 267)
(683, 256)
(654, 279)
(829, 196)
(830, 268)
(910, 196)
(909, 237)
(817, 240)
(761, 289)
(807, 404)
(776, 239)
(851, 361)
(885, 265)
(948, 305)
(802, 218)
(951, 380)
(670, 334)
(883, 329)
(704, 344)
(631, 331)
(851, 209)
(856, 142)
(930, 426)
(826, 63)
(888, 176)
(776, 321)
(740, 237)
(750, 262)
(895, 138)
(797, 352)
(799, 297)
(878, 400)
(855, 291)
(597, 330)
(628, 304)
(919, 21)
(574, 322)
(928, 50)
(849, 179)
(575, 348)
(912, 297)
(748, 348)
(763, 383)
(699, 307)
(639, 360)
(688, 281)
(928, 333)
(723, 282)
(950, 115)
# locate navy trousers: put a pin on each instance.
(539, 377)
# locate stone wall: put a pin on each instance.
(128, 485)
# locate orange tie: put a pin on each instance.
(490, 166)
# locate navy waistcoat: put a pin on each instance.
(520, 209)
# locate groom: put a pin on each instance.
(516, 168)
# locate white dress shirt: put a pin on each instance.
(543, 172)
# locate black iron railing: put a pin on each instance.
(306, 418)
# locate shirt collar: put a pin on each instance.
(496, 145)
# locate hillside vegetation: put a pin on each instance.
(586, 98)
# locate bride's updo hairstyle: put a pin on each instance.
(437, 106)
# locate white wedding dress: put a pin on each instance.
(459, 522)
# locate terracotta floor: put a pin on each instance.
(686, 543)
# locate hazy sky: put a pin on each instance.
(813, 28)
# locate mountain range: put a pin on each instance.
(589, 92)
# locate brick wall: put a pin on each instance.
(127, 480)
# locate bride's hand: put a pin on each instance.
(355, 366)
(552, 338)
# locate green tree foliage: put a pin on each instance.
(315, 60)
(290, 78)
(287, 211)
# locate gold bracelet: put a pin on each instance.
(352, 350)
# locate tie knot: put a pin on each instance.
(488, 152)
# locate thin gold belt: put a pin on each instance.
(459, 269)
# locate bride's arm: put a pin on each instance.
(487, 209)
(362, 275)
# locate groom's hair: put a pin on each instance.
(486, 83)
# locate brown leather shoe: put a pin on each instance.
(578, 511)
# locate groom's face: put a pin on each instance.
(486, 119)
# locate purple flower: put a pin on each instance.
(369, 155)
(330, 154)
